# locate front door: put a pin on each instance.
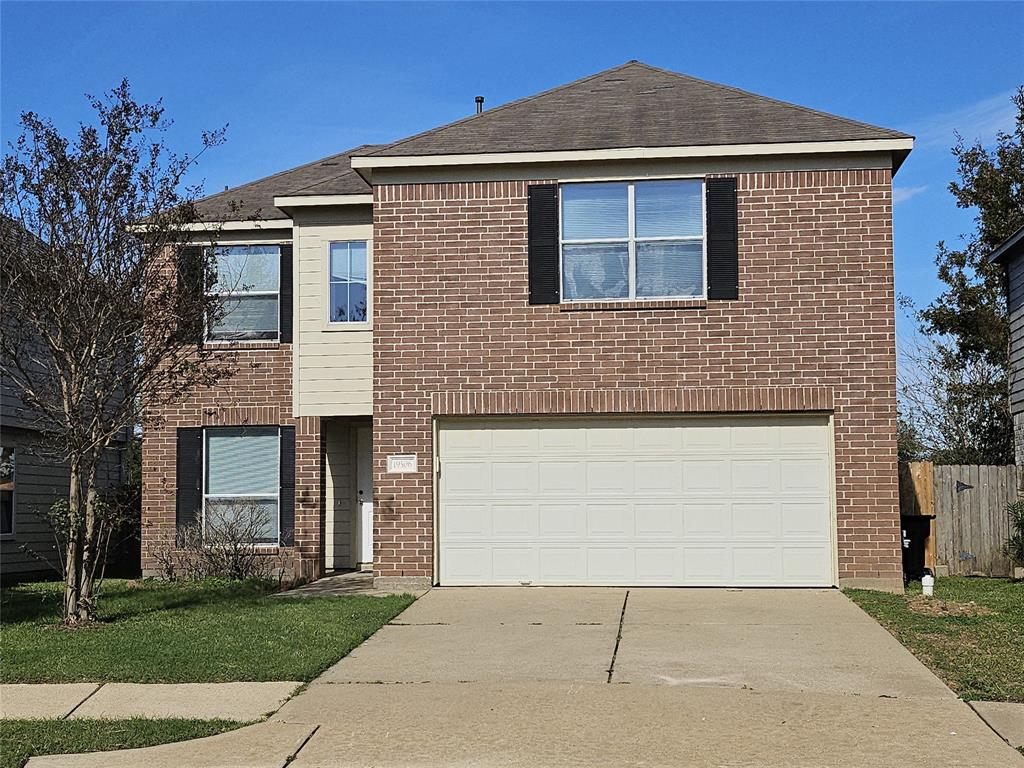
(364, 497)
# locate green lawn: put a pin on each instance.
(977, 651)
(162, 632)
(22, 739)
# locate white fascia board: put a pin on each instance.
(636, 153)
(221, 226)
(298, 201)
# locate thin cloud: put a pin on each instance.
(902, 194)
(980, 120)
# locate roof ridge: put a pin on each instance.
(506, 105)
(801, 107)
(310, 164)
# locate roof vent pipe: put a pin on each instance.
(479, 104)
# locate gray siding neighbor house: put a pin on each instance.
(31, 480)
(1011, 255)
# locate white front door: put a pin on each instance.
(364, 497)
(708, 501)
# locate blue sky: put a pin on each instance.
(297, 81)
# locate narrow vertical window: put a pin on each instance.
(348, 286)
(7, 485)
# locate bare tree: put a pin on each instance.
(100, 320)
(952, 414)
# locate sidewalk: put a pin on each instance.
(116, 701)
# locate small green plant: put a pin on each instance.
(1014, 546)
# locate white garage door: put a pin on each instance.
(743, 501)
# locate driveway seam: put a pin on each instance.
(291, 758)
(79, 704)
(618, 637)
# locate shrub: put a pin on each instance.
(1014, 547)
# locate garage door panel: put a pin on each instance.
(707, 566)
(706, 520)
(757, 519)
(663, 520)
(713, 501)
(562, 478)
(610, 478)
(610, 439)
(467, 521)
(467, 565)
(514, 521)
(757, 565)
(610, 565)
(609, 521)
(561, 521)
(755, 476)
(803, 475)
(515, 564)
(657, 477)
(514, 478)
(704, 437)
(755, 437)
(515, 441)
(658, 437)
(658, 565)
(708, 477)
(563, 565)
(803, 566)
(805, 519)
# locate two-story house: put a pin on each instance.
(637, 329)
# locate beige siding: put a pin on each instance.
(40, 481)
(339, 441)
(333, 363)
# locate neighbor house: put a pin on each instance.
(1010, 255)
(637, 329)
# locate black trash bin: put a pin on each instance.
(915, 530)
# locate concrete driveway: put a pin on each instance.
(612, 677)
(681, 677)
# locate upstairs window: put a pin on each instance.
(632, 240)
(242, 486)
(248, 281)
(347, 283)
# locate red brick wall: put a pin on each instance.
(815, 310)
(260, 393)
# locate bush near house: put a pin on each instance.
(184, 632)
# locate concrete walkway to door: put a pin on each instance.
(612, 677)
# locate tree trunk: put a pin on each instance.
(73, 555)
(79, 577)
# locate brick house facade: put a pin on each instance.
(453, 336)
(815, 318)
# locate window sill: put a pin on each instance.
(601, 306)
(330, 327)
(263, 344)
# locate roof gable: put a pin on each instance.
(634, 105)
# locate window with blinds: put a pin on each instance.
(633, 240)
(242, 480)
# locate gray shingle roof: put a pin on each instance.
(329, 176)
(634, 105)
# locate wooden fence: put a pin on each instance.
(968, 505)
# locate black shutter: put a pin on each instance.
(189, 499)
(542, 209)
(190, 293)
(287, 498)
(286, 294)
(723, 248)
